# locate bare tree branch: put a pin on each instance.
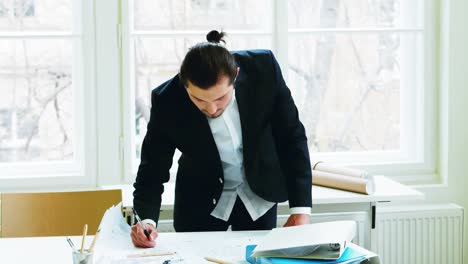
(303, 74)
(142, 109)
(59, 119)
(369, 85)
(317, 85)
(43, 105)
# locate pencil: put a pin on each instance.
(91, 248)
(85, 231)
(150, 254)
(217, 261)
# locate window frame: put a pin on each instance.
(81, 170)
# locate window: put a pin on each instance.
(357, 69)
(357, 72)
(76, 78)
(40, 82)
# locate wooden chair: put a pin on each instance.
(54, 214)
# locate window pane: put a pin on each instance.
(159, 59)
(36, 106)
(202, 15)
(348, 88)
(354, 13)
(18, 15)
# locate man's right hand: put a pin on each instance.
(139, 238)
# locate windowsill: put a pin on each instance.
(414, 180)
(47, 183)
(73, 182)
(386, 190)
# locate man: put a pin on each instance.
(243, 147)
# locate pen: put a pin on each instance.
(141, 224)
(70, 242)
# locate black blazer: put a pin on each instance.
(276, 157)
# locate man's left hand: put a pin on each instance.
(297, 219)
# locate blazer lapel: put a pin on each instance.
(200, 132)
(244, 91)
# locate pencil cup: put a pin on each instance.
(82, 258)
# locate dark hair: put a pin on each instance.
(207, 61)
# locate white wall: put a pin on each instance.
(453, 160)
(457, 151)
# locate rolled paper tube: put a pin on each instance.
(342, 182)
(327, 167)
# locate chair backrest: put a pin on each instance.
(54, 214)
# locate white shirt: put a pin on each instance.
(227, 134)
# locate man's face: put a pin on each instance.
(214, 100)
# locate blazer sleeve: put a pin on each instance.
(291, 142)
(156, 159)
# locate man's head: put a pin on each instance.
(208, 73)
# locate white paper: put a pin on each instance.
(114, 231)
(114, 244)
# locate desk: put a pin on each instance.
(325, 200)
(192, 247)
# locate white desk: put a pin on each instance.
(191, 247)
(324, 200)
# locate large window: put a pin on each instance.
(357, 69)
(40, 72)
(76, 78)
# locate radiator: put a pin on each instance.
(423, 234)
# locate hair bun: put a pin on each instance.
(215, 36)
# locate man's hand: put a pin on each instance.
(139, 238)
(297, 219)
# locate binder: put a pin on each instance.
(352, 254)
(313, 241)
